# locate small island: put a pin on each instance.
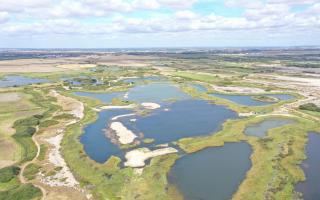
(265, 98)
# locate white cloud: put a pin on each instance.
(292, 2)
(4, 16)
(180, 4)
(145, 4)
(185, 15)
(78, 17)
(17, 6)
(244, 3)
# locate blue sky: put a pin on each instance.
(158, 23)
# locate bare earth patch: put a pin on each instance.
(315, 82)
(76, 66)
(63, 177)
(233, 89)
(9, 97)
(137, 157)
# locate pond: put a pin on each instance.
(11, 81)
(96, 145)
(142, 79)
(185, 118)
(153, 92)
(247, 100)
(156, 92)
(310, 188)
(104, 97)
(213, 173)
(261, 129)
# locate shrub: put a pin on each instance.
(22, 192)
(31, 171)
(310, 107)
(8, 173)
(48, 123)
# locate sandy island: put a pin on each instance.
(124, 135)
(121, 116)
(137, 157)
(151, 106)
(116, 107)
(235, 89)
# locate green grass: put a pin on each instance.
(64, 116)
(25, 128)
(31, 171)
(8, 173)
(43, 151)
(21, 192)
(208, 78)
(264, 98)
(310, 107)
(148, 140)
(48, 123)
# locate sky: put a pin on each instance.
(158, 23)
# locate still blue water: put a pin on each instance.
(10, 81)
(213, 173)
(310, 188)
(96, 145)
(261, 129)
(247, 100)
(185, 118)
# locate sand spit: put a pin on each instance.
(76, 107)
(117, 107)
(235, 89)
(124, 135)
(121, 116)
(64, 177)
(246, 114)
(137, 157)
(151, 106)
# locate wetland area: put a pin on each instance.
(158, 129)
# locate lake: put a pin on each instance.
(213, 173)
(11, 81)
(310, 188)
(185, 118)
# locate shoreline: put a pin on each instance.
(137, 157)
